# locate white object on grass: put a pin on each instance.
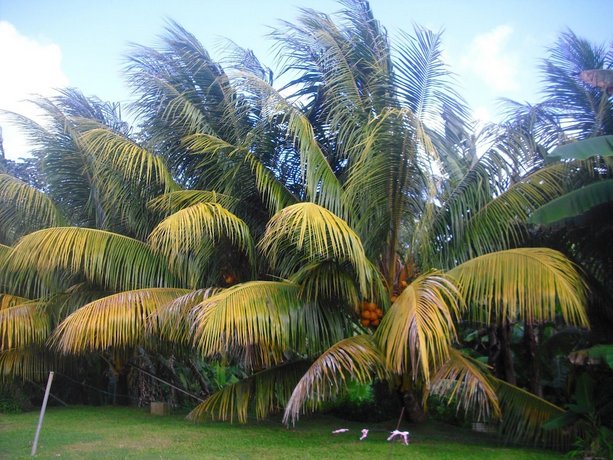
(404, 435)
(364, 434)
(340, 430)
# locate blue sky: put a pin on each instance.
(494, 46)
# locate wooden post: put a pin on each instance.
(42, 413)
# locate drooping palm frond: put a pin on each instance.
(23, 209)
(306, 232)
(356, 358)
(467, 384)
(109, 260)
(185, 231)
(30, 363)
(249, 321)
(415, 335)
(267, 391)
(172, 322)
(116, 321)
(525, 414)
(23, 325)
(532, 284)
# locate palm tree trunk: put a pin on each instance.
(530, 340)
(506, 355)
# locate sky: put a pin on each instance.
(493, 46)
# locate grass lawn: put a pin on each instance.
(121, 432)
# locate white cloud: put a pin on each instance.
(29, 67)
(490, 59)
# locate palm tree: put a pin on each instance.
(298, 206)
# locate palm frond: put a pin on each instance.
(23, 209)
(266, 391)
(306, 232)
(532, 284)
(23, 325)
(356, 358)
(250, 320)
(109, 260)
(116, 321)
(524, 415)
(9, 300)
(172, 321)
(274, 193)
(186, 230)
(467, 383)
(415, 335)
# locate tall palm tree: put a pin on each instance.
(298, 206)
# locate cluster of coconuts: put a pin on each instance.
(371, 314)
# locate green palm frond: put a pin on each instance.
(274, 193)
(186, 230)
(117, 321)
(267, 392)
(356, 358)
(23, 325)
(250, 320)
(172, 202)
(306, 232)
(109, 260)
(532, 284)
(415, 335)
(23, 209)
(525, 414)
(322, 185)
(467, 383)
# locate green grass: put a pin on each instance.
(120, 432)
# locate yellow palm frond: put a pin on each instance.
(117, 321)
(307, 232)
(415, 335)
(111, 149)
(356, 358)
(267, 391)
(251, 320)
(532, 284)
(468, 384)
(24, 209)
(185, 231)
(33, 363)
(171, 321)
(23, 325)
(109, 260)
(9, 300)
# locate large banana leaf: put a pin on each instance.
(574, 203)
(582, 150)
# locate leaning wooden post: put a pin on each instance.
(42, 414)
